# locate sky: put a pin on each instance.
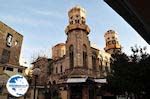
(42, 23)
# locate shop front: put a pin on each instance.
(82, 88)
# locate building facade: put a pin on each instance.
(10, 48)
(78, 69)
(10, 45)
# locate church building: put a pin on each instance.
(78, 68)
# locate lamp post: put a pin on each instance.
(36, 73)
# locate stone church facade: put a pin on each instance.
(78, 68)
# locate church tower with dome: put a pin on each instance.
(112, 42)
(78, 44)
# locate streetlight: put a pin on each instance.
(36, 73)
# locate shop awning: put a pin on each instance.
(76, 80)
(100, 80)
(82, 80)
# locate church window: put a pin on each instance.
(76, 21)
(83, 20)
(94, 60)
(106, 69)
(56, 70)
(71, 56)
(109, 42)
(106, 64)
(61, 69)
(114, 42)
(117, 42)
(71, 22)
(85, 56)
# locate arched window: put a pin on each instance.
(100, 62)
(56, 70)
(61, 69)
(71, 56)
(71, 22)
(106, 62)
(77, 21)
(94, 60)
(83, 20)
(109, 42)
(106, 69)
(71, 17)
(113, 42)
(84, 56)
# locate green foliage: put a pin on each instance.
(130, 74)
(118, 78)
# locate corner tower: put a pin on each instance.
(112, 42)
(78, 44)
(77, 20)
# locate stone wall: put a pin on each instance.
(10, 45)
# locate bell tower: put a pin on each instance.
(112, 42)
(78, 44)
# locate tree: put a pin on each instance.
(118, 80)
(130, 74)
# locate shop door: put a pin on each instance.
(76, 92)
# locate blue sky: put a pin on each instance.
(42, 23)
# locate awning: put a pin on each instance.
(100, 80)
(76, 80)
(82, 80)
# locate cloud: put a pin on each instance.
(46, 13)
(24, 20)
(50, 13)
